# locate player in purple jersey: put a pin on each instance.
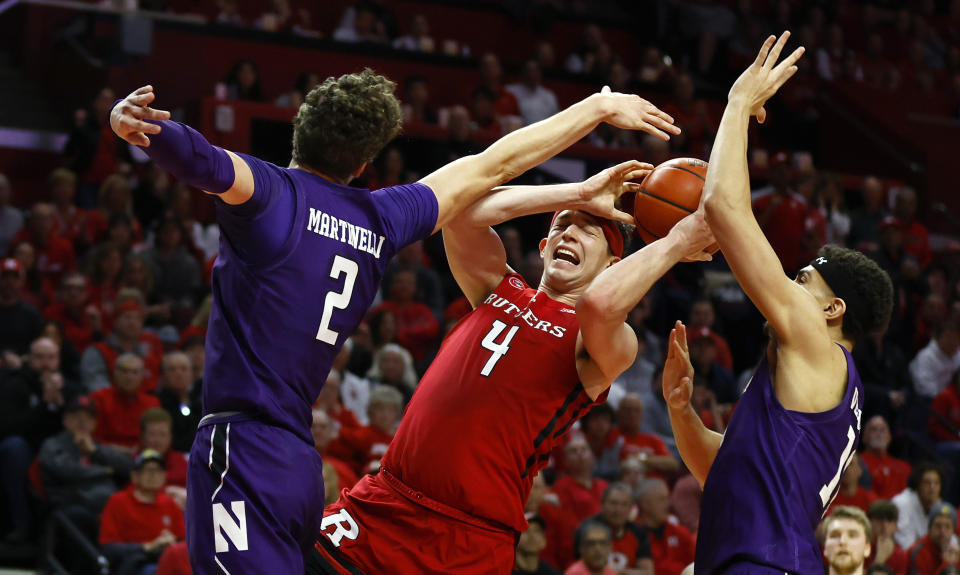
(769, 478)
(301, 257)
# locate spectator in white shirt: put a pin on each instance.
(535, 102)
(914, 503)
(933, 366)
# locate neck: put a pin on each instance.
(184, 395)
(595, 571)
(849, 489)
(527, 561)
(342, 181)
(144, 495)
(568, 297)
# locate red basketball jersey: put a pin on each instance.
(501, 392)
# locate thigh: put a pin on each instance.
(254, 499)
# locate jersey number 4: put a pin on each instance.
(499, 349)
(339, 300)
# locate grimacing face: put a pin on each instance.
(575, 251)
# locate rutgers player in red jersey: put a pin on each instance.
(509, 380)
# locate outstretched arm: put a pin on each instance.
(476, 255)
(181, 150)
(698, 445)
(607, 345)
(463, 182)
(726, 199)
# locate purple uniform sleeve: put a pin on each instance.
(408, 212)
(259, 228)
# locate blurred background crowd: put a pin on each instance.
(105, 260)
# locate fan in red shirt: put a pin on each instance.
(647, 447)
(883, 515)
(933, 552)
(672, 546)
(781, 214)
(156, 433)
(54, 255)
(851, 493)
(508, 382)
(944, 420)
(888, 474)
(140, 522)
(323, 433)
(915, 237)
(80, 320)
(579, 495)
(702, 317)
(70, 222)
(365, 445)
(417, 328)
(121, 405)
(97, 362)
(594, 546)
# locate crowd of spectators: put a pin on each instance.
(105, 292)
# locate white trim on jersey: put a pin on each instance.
(222, 568)
(226, 468)
(213, 431)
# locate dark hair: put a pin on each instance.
(626, 232)
(254, 93)
(883, 509)
(345, 122)
(598, 411)
(873, 288)
(913, 482)
(375, 321)
(617, 486)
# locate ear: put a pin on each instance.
(543, 245)
(867, 550)
(835, 309)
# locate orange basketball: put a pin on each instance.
(668, 194)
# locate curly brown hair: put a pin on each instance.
(345, 122)
(873, 288)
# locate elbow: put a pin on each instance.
(597, 304)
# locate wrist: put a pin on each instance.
(738, 105)
(601, 107)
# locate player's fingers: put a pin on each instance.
(638, 174)
(764, 50)
(156, 115)
(784, 76)
(142, 99)
(138, 139)
(682, 336)
(664, 115)
(630, 188)
(791, 59)
(653, 131)
(143, 89)
(623, 170)
(605, 90)
(762, 115)
(774, 54)
(141, 126)
(622, 216)
(661, 123)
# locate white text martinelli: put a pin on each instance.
(359, 238)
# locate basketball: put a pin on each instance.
(667, 195)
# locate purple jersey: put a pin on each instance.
(775, 474)
(299, 264)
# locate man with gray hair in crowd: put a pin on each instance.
(121, 405)
(630, 546)
(671, 546)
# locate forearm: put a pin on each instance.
(697, 445)
(509, 202)
(726, 191)
(663, 463)
(188, 156)
(523, 149)
(619, 288)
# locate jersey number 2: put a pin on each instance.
(339, 300)
(499, 349)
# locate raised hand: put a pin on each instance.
(599, 194)
(127, 117)
(765, 76)
(631, 112)
(678, 371)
